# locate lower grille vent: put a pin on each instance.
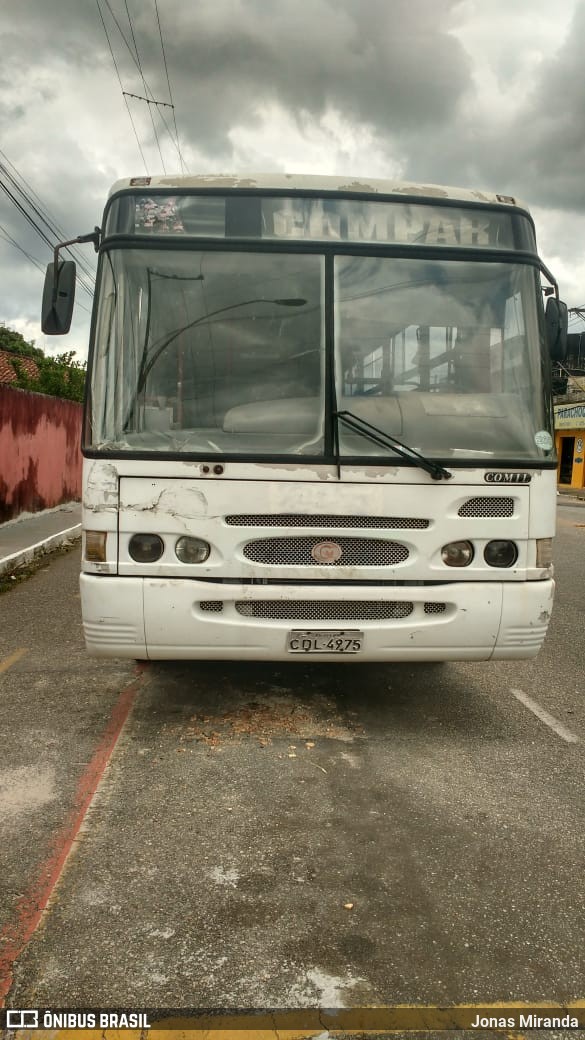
(324, 610)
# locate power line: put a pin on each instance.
(39, 230)
(143, 83)
(151, 100)
(134, 57)
(37, 263)
(8, 238)
(139, 97)
(48, 217)
(162, 46)
(120, 80)
(570, 375)
(49, 223)
(26, 215)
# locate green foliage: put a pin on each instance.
(15, 343)
(59, 376)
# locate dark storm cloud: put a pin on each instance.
(405, 70)
(395, 66)
(551, 128)
(531, 144)
(387, 64)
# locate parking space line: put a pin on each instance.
(16, 934)
(544, 716)
(9, 661)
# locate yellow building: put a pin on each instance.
(570, 441)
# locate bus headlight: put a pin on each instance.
(146, 548)
(457, 554)
(192, 550)
(500, 553)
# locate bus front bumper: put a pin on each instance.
(172, 619)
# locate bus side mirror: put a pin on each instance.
(556, 320)
(58, 298)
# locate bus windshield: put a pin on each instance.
(236, 352)
(437, 354)
(217, 351)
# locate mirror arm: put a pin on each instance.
(93, 236)
(551, 278)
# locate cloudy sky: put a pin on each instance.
(462, 92)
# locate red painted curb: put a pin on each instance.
(16, 934)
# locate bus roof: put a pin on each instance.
(313, 183)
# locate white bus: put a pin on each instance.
(318, 422)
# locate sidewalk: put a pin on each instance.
(575, 493)
(35, 533)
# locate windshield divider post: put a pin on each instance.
(331, 429)
(335, 415)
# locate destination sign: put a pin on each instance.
(397, 223)
(324, 219)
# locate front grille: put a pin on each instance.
(483, 506)
(325, 610)
(213, 606)
(355, 552)
(435, 608)
(327, 521)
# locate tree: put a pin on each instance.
(14, 343)
(59, 376)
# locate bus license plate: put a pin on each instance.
(348, 641)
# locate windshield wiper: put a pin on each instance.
(385, 440)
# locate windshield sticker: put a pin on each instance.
(159, 216)
(543, 440)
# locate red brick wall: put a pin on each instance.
(40, 457)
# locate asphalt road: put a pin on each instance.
(215, 835)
